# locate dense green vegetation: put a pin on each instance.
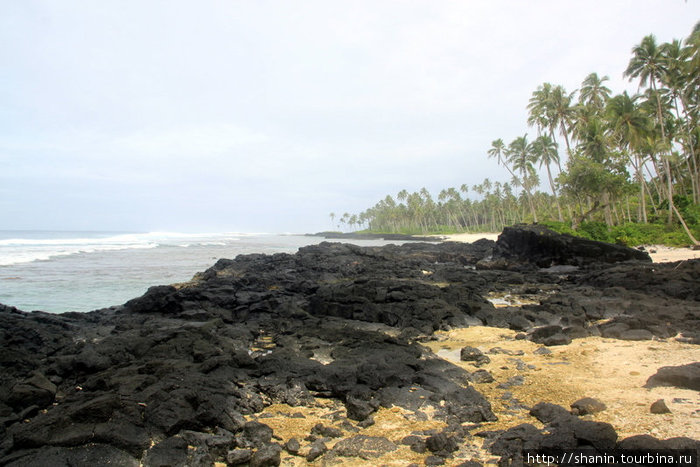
(620, 168)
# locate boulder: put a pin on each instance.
(538, 245)
(473, 355)
(684, 376)
(659, 407)
(587, 405)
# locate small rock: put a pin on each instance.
(267, 456)
(238, 456)
(543, 351)
(482, 376)
(365, 447)
(659, 407)
(318, 448)
(556, 339)
(367, 422)
(256, 434)
(587, 405)
(576, 332)
(499, 350)
(514, 381)
(540, 333)
(684, 376)
(326, 431)
(37, 390)
(410, 440)
(292, 446)
(472, 354)
(547, 413)
(358, 409)
(441, 443)
(434, 460)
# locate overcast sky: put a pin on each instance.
(265, 116)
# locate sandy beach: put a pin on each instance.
(667, 254)
(658, 253)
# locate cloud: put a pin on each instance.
(195, 141)
(325, 106)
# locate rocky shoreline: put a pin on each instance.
(331, 356)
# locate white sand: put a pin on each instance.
(666, 254)
(468, 237)
(613, 371)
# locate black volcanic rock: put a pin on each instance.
(543, 247)
(684, 376)
(185, 365)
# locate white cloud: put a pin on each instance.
(196, 141)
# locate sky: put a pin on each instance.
(268, 115)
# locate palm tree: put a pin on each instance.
(498, 151)
(629, 128)
(562, 112)
(544, 151)
(518, 154)
(550, 109)
(593, 92)
(539, 108)
(649, 66)
(675, 79)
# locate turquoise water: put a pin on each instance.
(83, 271)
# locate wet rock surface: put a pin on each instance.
(173, 377)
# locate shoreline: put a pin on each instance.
(343, 355)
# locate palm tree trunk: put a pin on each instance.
(642, 196)
(556, 198)
(685, 226)
(667, 164)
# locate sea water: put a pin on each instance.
(83, 271)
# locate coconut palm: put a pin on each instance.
(550, 110)
(544, 151)
(629, 128)
(520, 156)
(593, 92)
(649, 66)
(498, 151)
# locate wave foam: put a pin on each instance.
(24, 250)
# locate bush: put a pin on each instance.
(560, 227)
(629, 234)
(595, 231)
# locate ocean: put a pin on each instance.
(63, 271)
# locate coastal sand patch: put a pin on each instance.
(394, 423)
(468, 237)
(613, 371)
(666, 254)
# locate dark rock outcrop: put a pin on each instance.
(684, 376)
(543, 247)
(182, 366)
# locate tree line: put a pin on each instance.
(608, 158)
